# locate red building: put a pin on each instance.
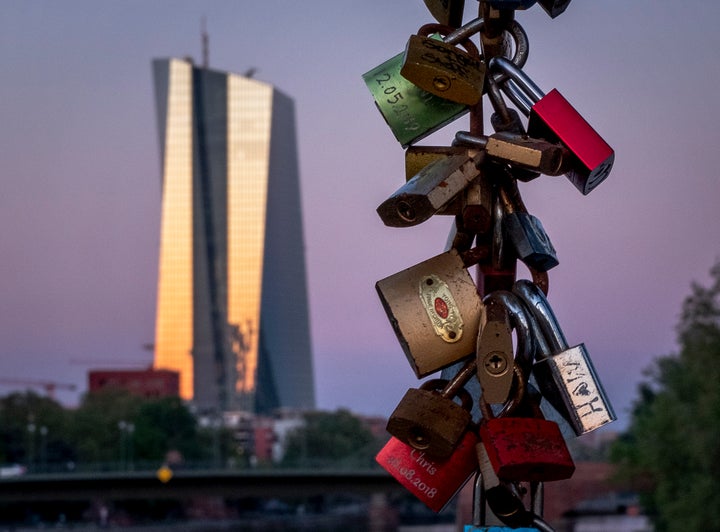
(144, 383)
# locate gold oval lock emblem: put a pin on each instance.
(441, 308)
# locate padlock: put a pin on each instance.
(554, 8)
(432, 189)
(504, 500)
(434, 309)
(524, 449)
(448, 12)
(434, 482)
(554, 119)
(479, 514)
(428, 419)
(522, 151)
(444, 69)
(526, 233)
(412, 113)
(502, 313)
(566, 376)
(507, 120)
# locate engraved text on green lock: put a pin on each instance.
(410, 112)
(439, 303)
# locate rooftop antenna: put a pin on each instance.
(205, 47)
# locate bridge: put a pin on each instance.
(190, 483)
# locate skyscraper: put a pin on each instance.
(232, 312)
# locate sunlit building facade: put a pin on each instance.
(232, 310)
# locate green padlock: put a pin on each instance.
(410, 112)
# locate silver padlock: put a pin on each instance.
(565, 375)
(434, 309)
(431, 189)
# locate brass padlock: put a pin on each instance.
(433, 188)
(443, 69)
(434, 309)
(412, 113)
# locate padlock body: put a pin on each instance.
(410, 112)
(432, 189)
(434, 482)
(434, 309)
(591, 158)
(526, 449)
(526, 152)
(531, 242)
(443, 69)
(569, 382)
(429, 422)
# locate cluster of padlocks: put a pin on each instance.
(511, 391)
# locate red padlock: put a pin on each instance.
(525, 448)
(433, 482)
(551, 117)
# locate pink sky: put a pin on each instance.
(79, 207)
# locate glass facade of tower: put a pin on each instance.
(232, 312)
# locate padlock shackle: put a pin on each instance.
(464, 32)
(517, 32)
(542, 312)
(478, 509)
(519, 321)
(496, 99)
(427, 29)
(522, 80)
(466, 138)
(542, 525)
(448, 389)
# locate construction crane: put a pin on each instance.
(48, 386)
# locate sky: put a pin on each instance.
(80, 177)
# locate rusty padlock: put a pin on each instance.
(524, 449)
(443, 69)
(428, 418)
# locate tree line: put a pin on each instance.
(114, 430)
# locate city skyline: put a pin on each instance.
(79, 212)
(232, 314)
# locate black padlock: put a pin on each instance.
(525, 231)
